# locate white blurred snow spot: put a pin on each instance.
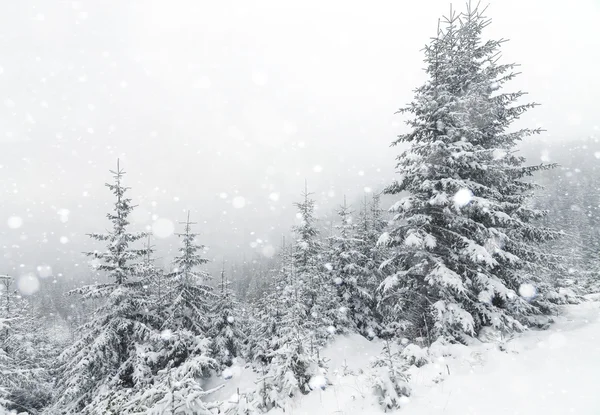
(274, 196)
(499, 154)
(28, 284)
(14, 222)
(317, 169)
(238, 202)
(163, 228)
(317, 382)
(463, 197)
(63, 215)
(545, 157)
(44, 271)
(527, 291)
(268, 251)
(64, 240)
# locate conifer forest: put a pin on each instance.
(271, 207)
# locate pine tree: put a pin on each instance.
(390, 381)
(181, 355)
(293, 351)
(350, 274)
(25, 353)
(100, 367)
(465, 238)
(192, 297)
(116, 260)
(268, 312)
(317, 291)
(227, 336)
(154, 280)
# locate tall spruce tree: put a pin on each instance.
(181, 355)
(226, 334)
(465, 238)
(317, 292)
(191, 296)
(102, 367)
(350, 273)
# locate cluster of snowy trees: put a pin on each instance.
(463, 248)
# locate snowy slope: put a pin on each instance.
(545, 372)
(556, 371)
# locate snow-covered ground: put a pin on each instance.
(556, 371)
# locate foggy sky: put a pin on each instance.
(205, 101)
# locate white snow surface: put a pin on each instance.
(550, 372)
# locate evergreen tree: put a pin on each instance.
(25, 353)
(191, 296)
(116, 260)
(293, 354)
(349, 273)
(227, 336)
(390, 381)
(316, 291)
(180, 356)
(102, 366)
(465, 238)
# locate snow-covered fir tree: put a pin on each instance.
(226, 333)
(390, 380)
(293, 357)
(318, 291)
(153, 278)
(25, 353)
(190, 296)
(102, 367)
(181, 355)
(465, 238)
(349, 273)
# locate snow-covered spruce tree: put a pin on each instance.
(154, 280)
(268, 311)
(464, 238)
(226, 334)
(390, 380)
(191, 297)
(181, 354)
(349, 272)
(25, 354)
(101, 368)
(293, 358)
(318, 291)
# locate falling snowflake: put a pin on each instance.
(163, 228)
(28, 284)
(527, 291)
(463, 197)
(14, 222)
(238, 202)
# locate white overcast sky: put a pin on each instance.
(205, 101)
